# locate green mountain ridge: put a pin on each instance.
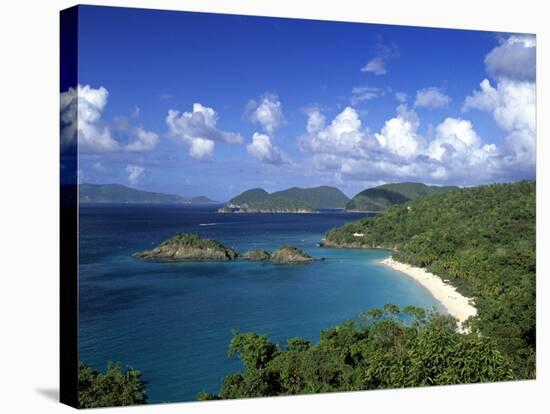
(252, 196)
(291, 200)
(117, 193)
(384, 196)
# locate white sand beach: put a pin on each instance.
(455, 304)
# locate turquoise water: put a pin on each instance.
(173, 321)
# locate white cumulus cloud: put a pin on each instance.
(451, 151)
(268, 112)
(513, 107)
(81, 122)
(383, 53)
(455, 154)
(198, 129)
(453, 136)
(461, 152)
(376, 65)
(315, 120)
(511, 99)
(365, 93)
(143, 141)
(514, 58)
(201, 148)
(399, 134)
(135, 173)
(431, 98)
(81, 111)
(263, 149)
(344, 135)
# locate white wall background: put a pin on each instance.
(29, 204)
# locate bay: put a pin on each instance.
(174, 321)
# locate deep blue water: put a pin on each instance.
(173, 321)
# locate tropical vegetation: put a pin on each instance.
(378, 351)
(114, 387)
(482, 240)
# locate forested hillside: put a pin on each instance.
(483, 240)
(290, 200)
(316, 197)
(386, 195)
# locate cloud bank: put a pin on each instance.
(452, 151)
(511, 99)
(513, 59)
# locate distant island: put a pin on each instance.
(292, 200)
(387, 195)
(117, 193)
(184, 247)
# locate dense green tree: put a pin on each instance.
(114, 387)
(377, 351)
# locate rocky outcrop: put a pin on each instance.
(289, 255)
(188, 247)
(191, 247)
(257, 255)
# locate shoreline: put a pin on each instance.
(454, 303)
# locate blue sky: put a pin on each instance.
(208, 104)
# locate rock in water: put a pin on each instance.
(188, 247)
(257, 255)
(290, 254)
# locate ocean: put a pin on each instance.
(174, 321)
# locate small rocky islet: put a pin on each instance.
(257, 255)
(190, 247)
(290, 254)
(187, 246)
